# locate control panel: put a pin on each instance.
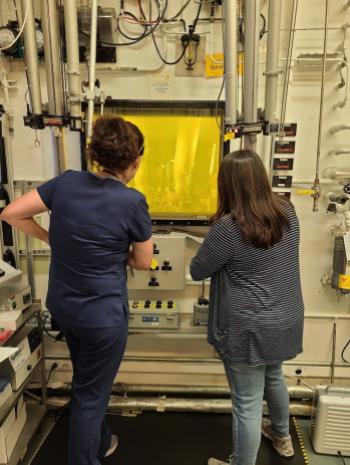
(168, 267)
(154, 314)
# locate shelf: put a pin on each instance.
(26, 316)
(194, 331)
(10, 273)
(11, 401)
(35, 414)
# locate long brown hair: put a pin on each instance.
(245, 193)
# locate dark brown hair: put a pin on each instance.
(115, 143)
(245, 193)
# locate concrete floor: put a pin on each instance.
(304, 426)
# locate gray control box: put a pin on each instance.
(169, 272)
(15, 296)
(201, 312)
(153, 314)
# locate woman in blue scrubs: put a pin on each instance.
(98, 226)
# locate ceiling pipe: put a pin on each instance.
(251, 67)
(272, 70)
(230, 48)
(92, 68)
(316, 187)
(53, 59)
(31, 57)
(73, 67)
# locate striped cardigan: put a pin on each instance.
(256, 309)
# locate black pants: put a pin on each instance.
(96, 355)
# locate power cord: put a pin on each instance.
(342, 457)
(58, 337)
(53, 367)
(343, 352)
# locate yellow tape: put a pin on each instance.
(229, 136)
(305, 191)
(344, 281)
(214, 65)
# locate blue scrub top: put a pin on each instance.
(93, 222)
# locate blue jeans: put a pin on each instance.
(248, 385)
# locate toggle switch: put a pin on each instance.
(166, 266)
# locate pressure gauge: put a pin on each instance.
(7, 36)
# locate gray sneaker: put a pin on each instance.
(282, 445)
(213, 461)
(113, 445)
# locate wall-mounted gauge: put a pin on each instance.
(7, 35)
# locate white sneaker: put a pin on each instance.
(113, 445)
(213, 461)
(282, 445)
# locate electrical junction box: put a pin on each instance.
(201, 312)
(331, 433)
(169, 270)
(285, 147)
(11, 320)
(153, 314)
(15, 296)
(283, 164)
(29, 351)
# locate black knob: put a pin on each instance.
(29, 367)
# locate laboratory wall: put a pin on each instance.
(184, 357)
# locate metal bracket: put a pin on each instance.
(273, 73)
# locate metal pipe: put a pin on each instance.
(288, 63)
(343, 151)
(295, 392)
(333, 351)
(333, 173)
(339, 127)
(177, 405)
(251, 67)
(72, 47)
(92, 67)
(53, 59)
(213, 361)
(300, 181)
(31, 57)
(272, 71)
(3, 13)
(316, 186)
(230, 46)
